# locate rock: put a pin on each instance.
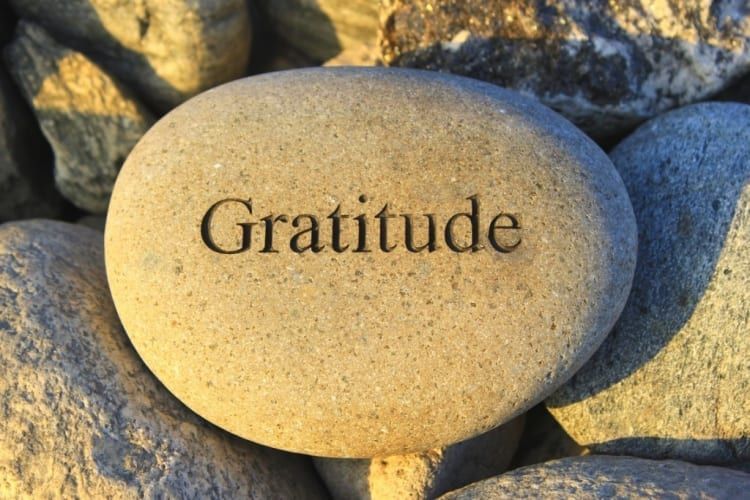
(544, 440)
(606, 66)
(316, 339)
(323, 28)
(25, 188)
(81, 415)
(610, 477)
(90, 120)
(166, 50)
(426, 474)
(671, 381)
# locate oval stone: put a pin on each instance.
(270, 253)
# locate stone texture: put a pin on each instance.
(90, 120)
(610, 477)
(673, 378)
(26, 189)
(323, 28)
(81, 415)
(363, 354)
(604, 65)
(426, 474)
(544, 440)
(167, 50)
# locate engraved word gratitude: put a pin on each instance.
(503, 231)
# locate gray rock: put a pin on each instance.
(82, 417)
(323, 28)
(610, 477)
(423, 475)
(604, 65)
(167, 51)
(90, 119)
(26, 189)
(673, 378)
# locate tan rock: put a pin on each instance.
(426, 474)
(597, 477)
(81, 415)
(337, 347)
(168, 50)
(90, 120)
(323, 28)
(673, 378)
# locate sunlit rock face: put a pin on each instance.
(90, 120)
(672, 379)
(166, 50)
(606, 66)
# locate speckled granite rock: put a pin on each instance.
(319, 335)
(81, 415)
(604, 65)
(26, 189)
(610, 477)
(90, 120)
(323, 28)
(166, 50)
(673, 379)
(426, 474)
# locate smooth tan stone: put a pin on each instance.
(362, 354)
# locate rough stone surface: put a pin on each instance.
(363, 354)
(90, 120)
(673, 378)
(26, 189)
(610, 477)
(422, 475)
(167, 50)
(323, 28)
(604, 65)
(81, 415)
(544, 440)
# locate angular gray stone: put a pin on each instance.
(26, 189)
(89, 118)
(82, 417)
(610, 477)
(166, 50)
(604, 65)
(672, 380)
(423, 475)
(323, 28)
